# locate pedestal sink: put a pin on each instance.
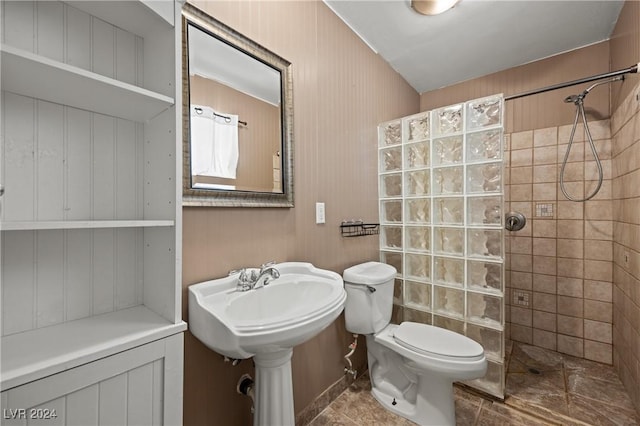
(266, 323)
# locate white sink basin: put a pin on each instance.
(288, 311)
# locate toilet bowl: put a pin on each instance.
(412, 366)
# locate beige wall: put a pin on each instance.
(625, 128)
(342, 90)
(539, 111)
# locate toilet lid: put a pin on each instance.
(435, 340)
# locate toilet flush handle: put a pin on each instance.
(371, 289)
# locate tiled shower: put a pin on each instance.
(564, 271)
(559, 266)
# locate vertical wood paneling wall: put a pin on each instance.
(543, 110)
(342, 90)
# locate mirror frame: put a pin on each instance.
(223, 198)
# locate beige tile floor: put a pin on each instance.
(542, 388)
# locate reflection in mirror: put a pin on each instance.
(237, 148)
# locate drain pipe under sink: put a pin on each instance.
(246, 387)
(350, 370)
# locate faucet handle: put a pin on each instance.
(236, 271)
(244, 283)
(267, 264)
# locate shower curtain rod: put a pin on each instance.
(630, 70)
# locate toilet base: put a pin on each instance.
(434, 404)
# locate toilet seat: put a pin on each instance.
(437, 342)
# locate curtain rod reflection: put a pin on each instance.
(226, 119)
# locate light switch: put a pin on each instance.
(319, 212)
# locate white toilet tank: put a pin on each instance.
(369, 289)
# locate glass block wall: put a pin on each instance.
(441, 214)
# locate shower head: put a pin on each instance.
(572, 99)
(576, 99)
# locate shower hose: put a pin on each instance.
(578, 100)
(580, 112)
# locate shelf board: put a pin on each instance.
(38, 353)
(32, 75)
(83, 224)
(141, 17)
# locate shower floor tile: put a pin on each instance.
(542, 388)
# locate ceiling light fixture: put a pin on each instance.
(432, 7)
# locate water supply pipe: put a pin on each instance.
(350, 370)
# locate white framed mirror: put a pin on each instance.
(237, 118)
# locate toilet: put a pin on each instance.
(412, 366)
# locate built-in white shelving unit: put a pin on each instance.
(91, 217)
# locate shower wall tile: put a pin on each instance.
(544, 321)
(570, 287)
(544, 339)
(544, 191)
(598, 270)
(545, 265)
(521, 175)
(564, 134)
(598, 331)
(599, 311)
(521, 140)
(573, 268)
(545, 246)
(573, 172)
(521, 333)
(570, 228)
(564, 260)
(544, 137)
(600, 130)
(571, 345)
(598, 229)
(596, 351)
(546, 173)
(521, 316)
(570, 326)
(545, 302)
(545, 283)
(598, 290)
(571, 306)
(569, 210)
(575, 155)
(521, 280)
(571, 248)
(544, 228)
(521, 157)
(520, 245)
(545, 155)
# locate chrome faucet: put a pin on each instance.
(253, 278)
(268, 271)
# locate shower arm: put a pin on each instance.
(631, 70)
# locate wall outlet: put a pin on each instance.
(319, 213)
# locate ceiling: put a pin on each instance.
(475, 38)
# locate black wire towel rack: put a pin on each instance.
(357, 228)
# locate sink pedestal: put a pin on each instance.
(274, 389)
